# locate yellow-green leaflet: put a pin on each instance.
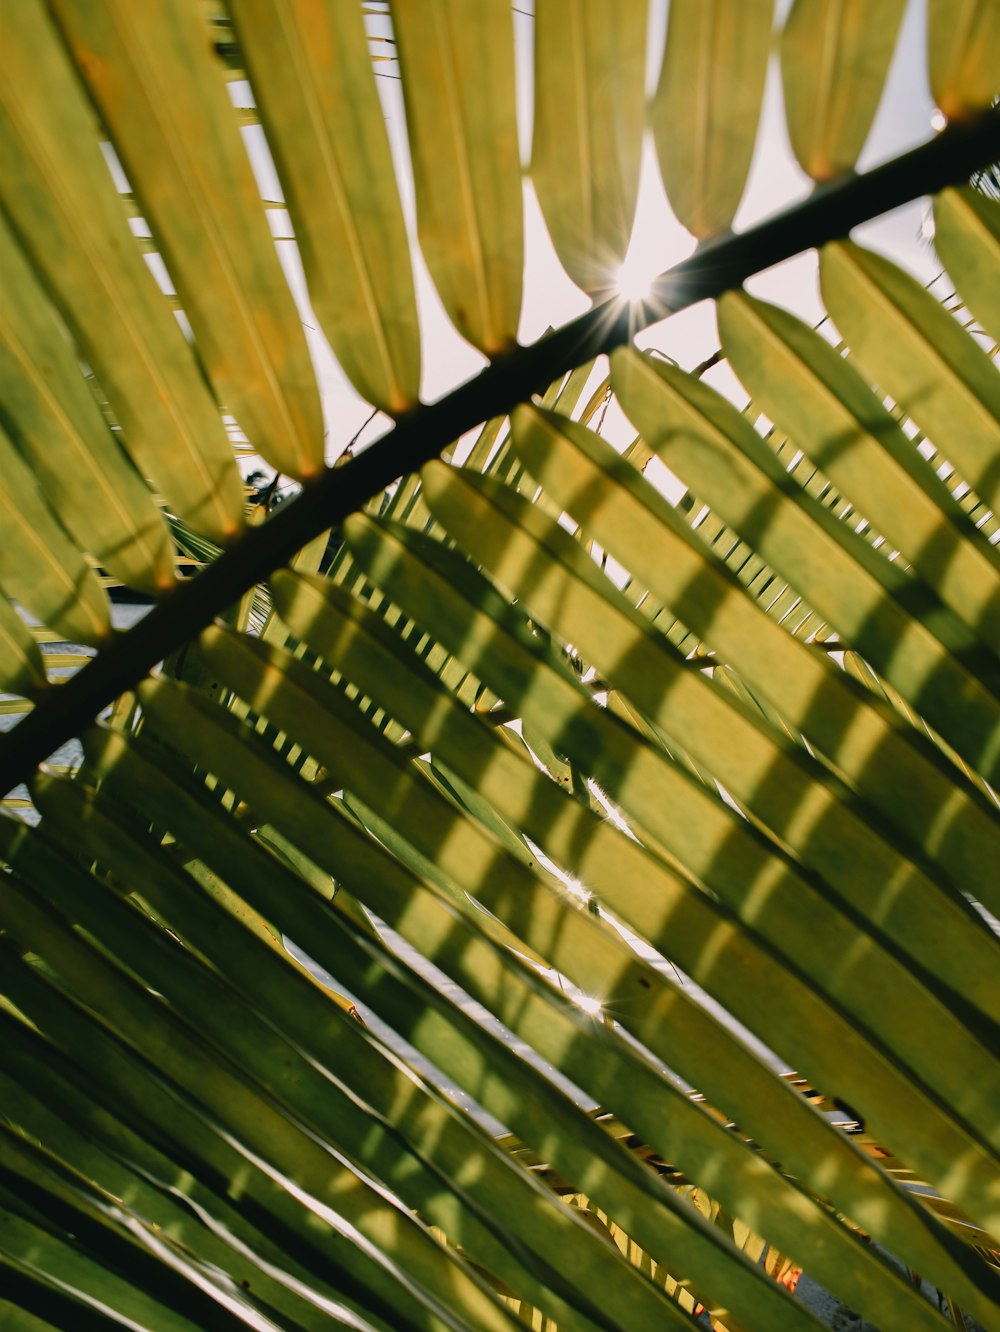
(835, 56)
(57, 425)
(967, 239)
(21, 667)
(589, 111)
(963, 55)
(915, 351)
(707, 106)
(39, 565)
(830, 412)
(150, 70)
(461, 116)
(312, 79)
(63, 205)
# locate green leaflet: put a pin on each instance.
(352, 756)
(963, 55)
(39, 565)
(807, 389)
(967, 239)
(904, 341)
(458, 86)
(707, 106)
(403, 844)
(199, 197)
(17, 1316)
(862, 670)
(590, 63)
(468, 798)
(316, 95)
(22, 670)
(53, 419)
(68, 216)
(835, 56)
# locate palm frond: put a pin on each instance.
(484, 890)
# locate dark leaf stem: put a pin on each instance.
(829, 213)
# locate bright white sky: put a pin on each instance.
(550, 298)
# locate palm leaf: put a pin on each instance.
(599, 811)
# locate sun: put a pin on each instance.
(634, 280)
